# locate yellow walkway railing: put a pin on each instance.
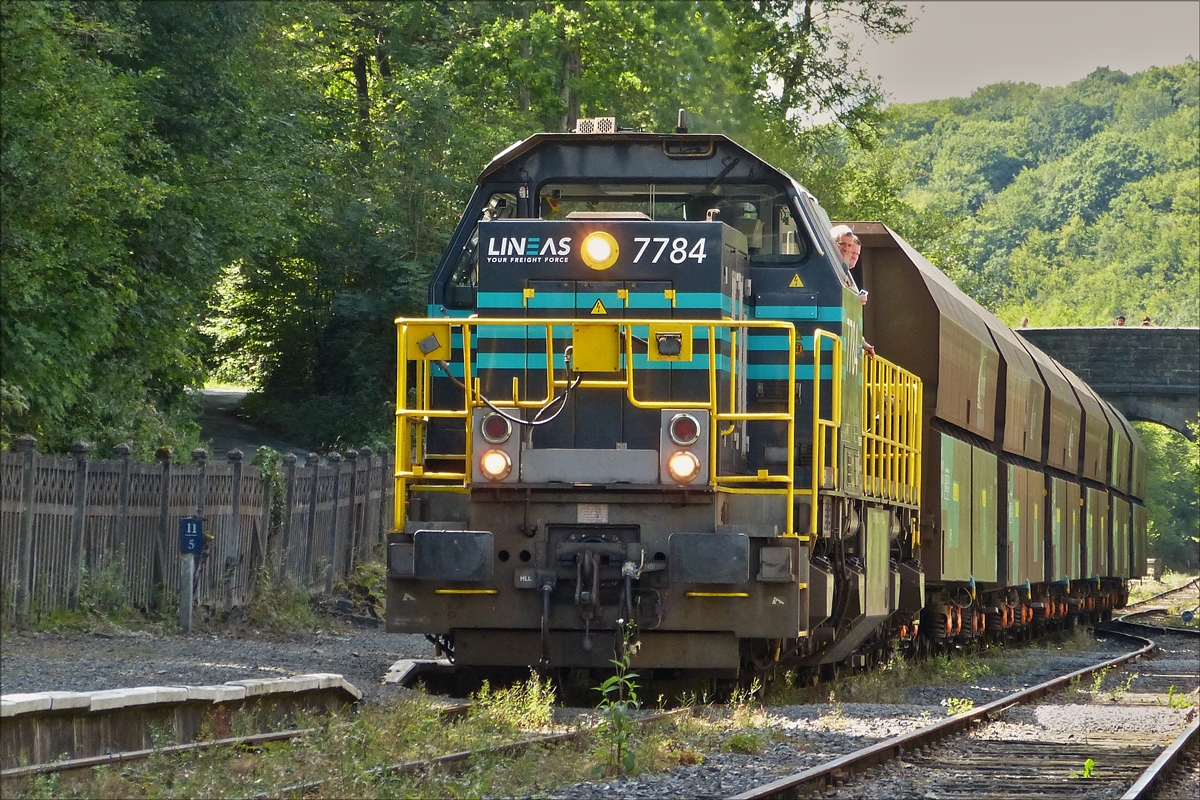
(427, 343)
(892, 400)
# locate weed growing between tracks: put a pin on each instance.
(890, 684)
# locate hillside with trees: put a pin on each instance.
(250, 192)
(1072, 204)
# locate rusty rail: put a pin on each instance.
(803, 783)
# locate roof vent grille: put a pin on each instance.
(596, 125)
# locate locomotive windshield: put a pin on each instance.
(761, 212)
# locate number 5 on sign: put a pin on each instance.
(191, 536)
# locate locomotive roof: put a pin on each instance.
(630, 155)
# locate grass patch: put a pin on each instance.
(345, 748)
(280, 607)
(746, 743)
(890, 683)
(1146, 588)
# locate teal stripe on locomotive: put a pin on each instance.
(520, 361)
(569, 301)
(436, 312)
(818, 313)
(778, 372)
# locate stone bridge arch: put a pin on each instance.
(1150, 374)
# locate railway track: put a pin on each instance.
(462, 759)
(1030, 744)
(446, 713)
(16, 779)
(1193, 584)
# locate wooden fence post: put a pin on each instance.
(289, 500)
(388, 480)
(347, 550)
(363, 542)
(187, 561)
(80, 450)
(25, 443)
(234, 542)
(266, 476)
(336, 460)
(121, 536)
(162, 543)
(313, 461)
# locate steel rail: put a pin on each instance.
(802, 783)
(446, 712)
(1162, 766)
(136, 755)
(1145, 628)
(1152, 598)
(462, 756)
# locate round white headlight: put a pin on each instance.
(495, 465)
(683, 466)
(599, 250)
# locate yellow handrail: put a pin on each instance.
(892, 399)
(413, 413)
(825, 431)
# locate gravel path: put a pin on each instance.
(118, 658)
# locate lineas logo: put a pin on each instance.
(528, 246)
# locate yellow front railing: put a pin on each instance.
(892, 399)
(429, 343)
(825, 430)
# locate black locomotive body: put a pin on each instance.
(639, 407)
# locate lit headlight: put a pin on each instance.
(683, 466)
(599, 250)
(495, 465)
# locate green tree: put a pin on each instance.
(1173, 495)
(73, 138)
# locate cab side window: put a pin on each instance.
(461, 290)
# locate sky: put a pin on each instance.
(956, 47)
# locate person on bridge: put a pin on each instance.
(1120, 319)
(1146, 323)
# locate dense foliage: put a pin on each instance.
(251, 191)
(254, 190)
(1173, 495)
(1071, 205)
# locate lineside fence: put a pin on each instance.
(67, 520)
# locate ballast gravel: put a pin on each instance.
(802, 737)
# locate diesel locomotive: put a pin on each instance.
(639, 417)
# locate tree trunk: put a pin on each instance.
(363, 103)
(526, 52)
(572, 69)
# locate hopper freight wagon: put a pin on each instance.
(639, 410)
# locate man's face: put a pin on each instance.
(849, 250)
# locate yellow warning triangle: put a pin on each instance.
(599, 307)
(796, 282)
